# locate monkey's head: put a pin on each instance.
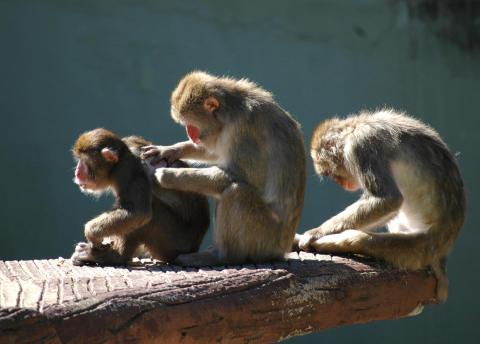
(204, 104)
(327, 151)
(195, 104)
(96, 152)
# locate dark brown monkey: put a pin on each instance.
(410, 182)
(166, 222)
(257, 174)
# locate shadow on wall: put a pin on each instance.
(455, 21)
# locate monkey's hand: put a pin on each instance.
(306, 239)
(93, 233)
(154, 155)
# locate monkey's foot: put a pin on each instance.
(197, 259)
(304, 241)
(82, 254)
(87, 253)
(349, 241)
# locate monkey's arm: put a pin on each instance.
(133, 211)
(211, 181)
(369, 212)
(379, 203)
(194, 152)
(180, 150)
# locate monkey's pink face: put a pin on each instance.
(201, 124)
(201, 133)
(348, 184)
(82, 176)
(193, 133)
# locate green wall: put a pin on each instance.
(70, 66)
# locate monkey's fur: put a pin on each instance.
(258, 166)
(410, 182)
(166, 222)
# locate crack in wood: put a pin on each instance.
(128, 322)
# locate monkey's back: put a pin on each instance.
(424, 170)
(179, 219)
(285, 162)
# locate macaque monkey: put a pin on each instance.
(167, 223)
(411, 184)
(257, 166)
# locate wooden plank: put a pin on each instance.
(53, 301)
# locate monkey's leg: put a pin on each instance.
(403, 250)
(118, 222)
(409, 251)
(247, 229)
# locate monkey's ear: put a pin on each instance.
(211, 104)
(109, 155)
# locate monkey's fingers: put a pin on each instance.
(305, 241)
(326, 244)
(148, 147)
(149, 151)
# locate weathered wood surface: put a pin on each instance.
(51, 301)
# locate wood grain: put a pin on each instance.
(52, 301)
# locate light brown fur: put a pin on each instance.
(410, 183)
(166, 222)
(257, 171)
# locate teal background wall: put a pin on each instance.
(70, 66)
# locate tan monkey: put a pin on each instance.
(410, 182)
(257, 173)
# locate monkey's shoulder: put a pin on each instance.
(135, 141)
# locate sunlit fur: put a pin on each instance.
(257, 159)
(411, 184)
(96, 194)
(166, 222)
